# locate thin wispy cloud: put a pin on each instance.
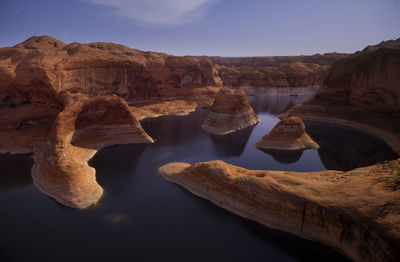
(159, 12)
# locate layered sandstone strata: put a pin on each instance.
(34, 71)
(60, 169)
(289, 134)
(355, 212)
(360, 91)
(275, 72)
(230, 112)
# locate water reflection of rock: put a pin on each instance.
(275, 104)
(232, 144)
(116, 161)
(172, 130)
(342, 148)
(284, 156)
(15, 170)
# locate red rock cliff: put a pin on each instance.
(35, 70)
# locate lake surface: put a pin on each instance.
(141, 217)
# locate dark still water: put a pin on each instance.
(141, 217)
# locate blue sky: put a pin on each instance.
(207, 27)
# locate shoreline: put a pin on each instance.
(279, 91)
(306, 204)
(383, 128)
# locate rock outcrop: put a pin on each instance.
(289, 134)
(60, 169)
(355, 212)
(230, 112)
(360, 91)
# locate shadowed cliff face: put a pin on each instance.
(368, 80)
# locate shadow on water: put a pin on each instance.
(289, 244)
(283, 156)
(295, 246)
(15, 170)
(172, 130)
(231, 145)
(114, 165)
(343, 148)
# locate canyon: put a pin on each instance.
(64, 102)
(355, 211)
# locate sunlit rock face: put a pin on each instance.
(230, 112)
(288, 134)
(60, 169)
(319, 206)
(32, 71)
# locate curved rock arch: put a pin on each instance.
(61, 170)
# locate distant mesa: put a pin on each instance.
(288, 134)
(230, 112)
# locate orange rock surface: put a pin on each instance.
(60, 169)
(35, 70)
(289, 134)
(230, 112)
(355, 212)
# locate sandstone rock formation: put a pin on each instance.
(392, 44)
(60, 169)
(360, 91)
(355, 212)
(291, 71)
(200, 97)
(289, 134)
(33, 72)
(230, 112)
